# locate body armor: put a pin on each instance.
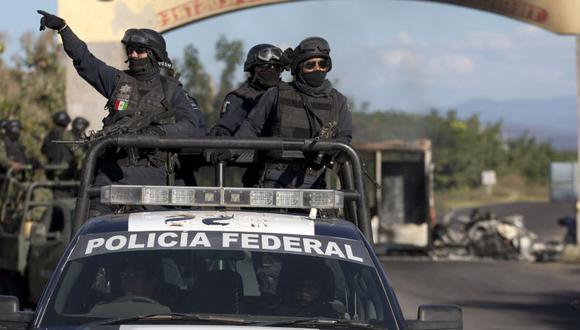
(249, 94)
(14, 150)
(134, 97)
(301, 116)
(56, 153)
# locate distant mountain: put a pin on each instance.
(553, 120)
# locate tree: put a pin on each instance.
(198, 82)
(34, 87)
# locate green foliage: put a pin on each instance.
(462, 148)
(196, 80)
(199, 83)
(33, 87)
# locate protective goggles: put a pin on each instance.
(322, 64)
(268, 54)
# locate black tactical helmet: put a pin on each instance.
(261, 54)
(149, 39)
(310, 48)
(13, 127)
(80, 124)
(61, 118)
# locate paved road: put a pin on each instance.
(498, 294)
(493, 295)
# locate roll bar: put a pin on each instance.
(351, 177)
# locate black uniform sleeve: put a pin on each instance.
(254, 124)
(344, 120)
(189, 121)
(100, 75)
(233, 114)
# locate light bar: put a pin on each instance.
(211, 196)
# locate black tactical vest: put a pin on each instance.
(14, 150)
(301, 116)
(56, 153)
(249, 95)
(134, 97)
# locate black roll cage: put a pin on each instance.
(351, 173)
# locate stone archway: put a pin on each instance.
(110, 18)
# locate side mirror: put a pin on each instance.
(10, 316)
(437, 317)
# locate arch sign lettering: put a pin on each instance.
(115, 16)
(104, 27)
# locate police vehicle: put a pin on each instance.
(223, 257)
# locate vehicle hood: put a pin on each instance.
(169, 326)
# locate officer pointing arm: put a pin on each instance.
(146, 54)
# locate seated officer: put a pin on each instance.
(306, 291)
(12, 151)
(308, 107)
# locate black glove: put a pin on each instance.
(51, 21)
(152, 131)
(218, 156)
(219, 131)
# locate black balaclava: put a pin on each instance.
(143, 68)
(314, 78)
(267, 78)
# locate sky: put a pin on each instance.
(407, 55)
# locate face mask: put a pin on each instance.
(314, 78)
(138, 65)
(268, 78)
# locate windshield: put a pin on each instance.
(257, 284)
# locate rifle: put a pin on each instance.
(126, 125)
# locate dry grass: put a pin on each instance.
(511, 188)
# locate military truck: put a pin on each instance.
(402, 205)
(33, 227)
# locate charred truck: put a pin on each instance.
(402, 205)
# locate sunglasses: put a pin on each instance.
(322, 64)
(136, 49)
(267, 66)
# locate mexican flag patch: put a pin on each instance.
(121, 105)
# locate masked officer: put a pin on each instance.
(264, 66)
(12, 152)
(79, 127)
(141, 91)
(308, 107)
(59, 153)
